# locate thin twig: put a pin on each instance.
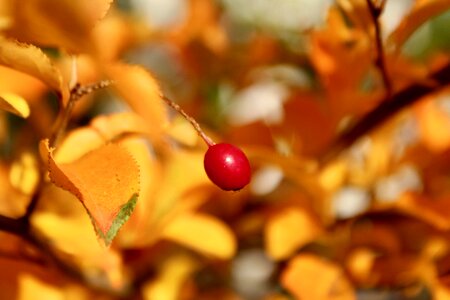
(76, 93)
(191, 120)
(385, 110)
(380, 61)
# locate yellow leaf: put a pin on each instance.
(32, 288)
(141, 91)
(182, 131)
(17, 207)
(289, 229)
(135, 233)
(78, 143)
(115, 125)
(360, 262)
(203, 233)
(174, 187)
(101, 130)
(311, 277)
(106, 181)
(30, 60)
(14, 104)
(422, 11)
(174, 272)
(24, 174)
(62, 220)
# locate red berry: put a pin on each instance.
(227, 166)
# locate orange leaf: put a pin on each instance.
(30, 60)
(311, 277)
(106, 181)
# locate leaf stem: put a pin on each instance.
(191, 120)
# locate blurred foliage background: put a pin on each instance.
(343, 108)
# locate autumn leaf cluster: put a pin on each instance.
(342, 108)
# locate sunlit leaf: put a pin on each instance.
(31, 287)
(174, 272)
(422, 11)
(182, 132)
(289, 229)
(174, 191)
(101, 130)
(63, 222)
(30, 60)
(141, 91)
(113, 126)
(359, 264)
(78, 143)
(14, 104)
(24, 174)
(135, 233)
(12, 281)
(312, 277)
(203, 233)
(106, 181)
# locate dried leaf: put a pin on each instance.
(14, 104)
(106, 181)
(422, 11)
(289, 229)
(140, 89)
(311, 277)
(30, 60)
(203, 233)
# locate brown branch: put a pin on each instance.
(385, 110)
(380, 61)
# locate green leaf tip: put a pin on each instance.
(123, 216)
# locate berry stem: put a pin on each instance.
(191, 120)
